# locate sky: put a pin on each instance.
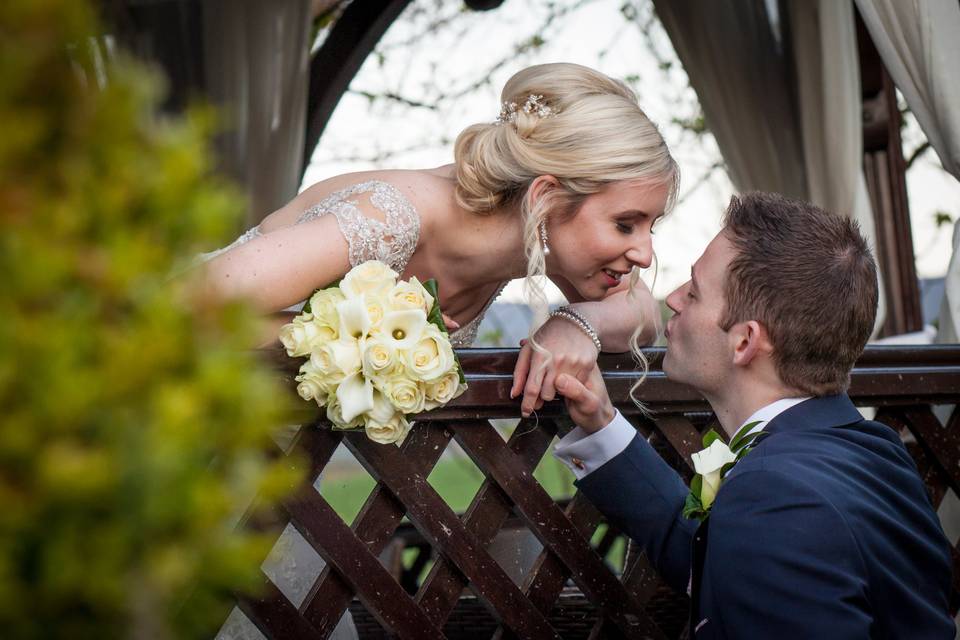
(437, 65)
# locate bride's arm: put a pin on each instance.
(279, 268)
(617, 316)
(615, 319)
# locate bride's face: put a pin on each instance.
(608, 236)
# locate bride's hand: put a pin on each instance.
(573, 353)
(452, 325)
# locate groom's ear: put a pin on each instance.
(750, 340)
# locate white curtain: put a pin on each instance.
(735, 65)
(919, 41)
(828, 92)
(791, 128)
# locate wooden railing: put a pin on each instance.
(569, 591)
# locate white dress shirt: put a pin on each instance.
(586, 452)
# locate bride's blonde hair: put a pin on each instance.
(593, 133)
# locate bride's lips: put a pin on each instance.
(609, 278)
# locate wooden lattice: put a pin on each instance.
(570, 591)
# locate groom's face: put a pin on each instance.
(698, 350)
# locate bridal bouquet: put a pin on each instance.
(378, 352)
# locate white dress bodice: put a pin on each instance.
(391, 240)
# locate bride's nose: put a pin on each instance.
(641, 253)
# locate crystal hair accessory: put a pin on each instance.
(533, 105)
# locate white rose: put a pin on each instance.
(345, 356)
(431, 357)
(335, 415)
(406, 395)
(372, 276)
(379, 358)
(322, 368)
(299, 336)
(385, 424)
(410, 295)
(376, 307)
(444, 389)
(323, 306)
(403, 329)
(313, 387)
(708, 464)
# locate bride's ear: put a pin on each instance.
(541, 188)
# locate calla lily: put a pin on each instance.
(402, 329)
(355, 395)
(712, 458)
(709, 463)
(354, 320)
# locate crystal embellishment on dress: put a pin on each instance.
(391, 241)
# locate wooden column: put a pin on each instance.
(884, 169)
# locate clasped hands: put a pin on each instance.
(569, 365)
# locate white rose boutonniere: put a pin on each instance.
(377, 350)
(712, 464)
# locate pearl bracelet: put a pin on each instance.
(571, 315)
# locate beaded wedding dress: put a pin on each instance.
(292, 564)
(391, 240)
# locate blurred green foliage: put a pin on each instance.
(134, 421)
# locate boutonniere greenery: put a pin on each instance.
(712, 464)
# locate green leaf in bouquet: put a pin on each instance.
(435, 316)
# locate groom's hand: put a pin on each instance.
(588, 402)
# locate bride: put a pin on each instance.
(567, 182)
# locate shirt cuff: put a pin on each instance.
(586, 452)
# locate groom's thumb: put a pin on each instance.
(571, 388)
(564, 384)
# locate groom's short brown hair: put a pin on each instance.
(807, 276)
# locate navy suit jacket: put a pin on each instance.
(824, 530)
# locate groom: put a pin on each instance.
(824, 528)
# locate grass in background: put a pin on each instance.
(346, 485)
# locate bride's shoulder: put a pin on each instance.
(428, 191)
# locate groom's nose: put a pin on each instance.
(675, 299)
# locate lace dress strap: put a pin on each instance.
(392, 240)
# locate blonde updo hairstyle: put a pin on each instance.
(595, 135)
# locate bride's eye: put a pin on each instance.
(624, 228)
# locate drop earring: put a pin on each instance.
(543, 237)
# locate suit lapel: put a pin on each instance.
(699, 553)
(818, 412)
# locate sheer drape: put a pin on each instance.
(736, 66)
(919, 41)
(786, 118)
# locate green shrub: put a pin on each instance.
(134, 421)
